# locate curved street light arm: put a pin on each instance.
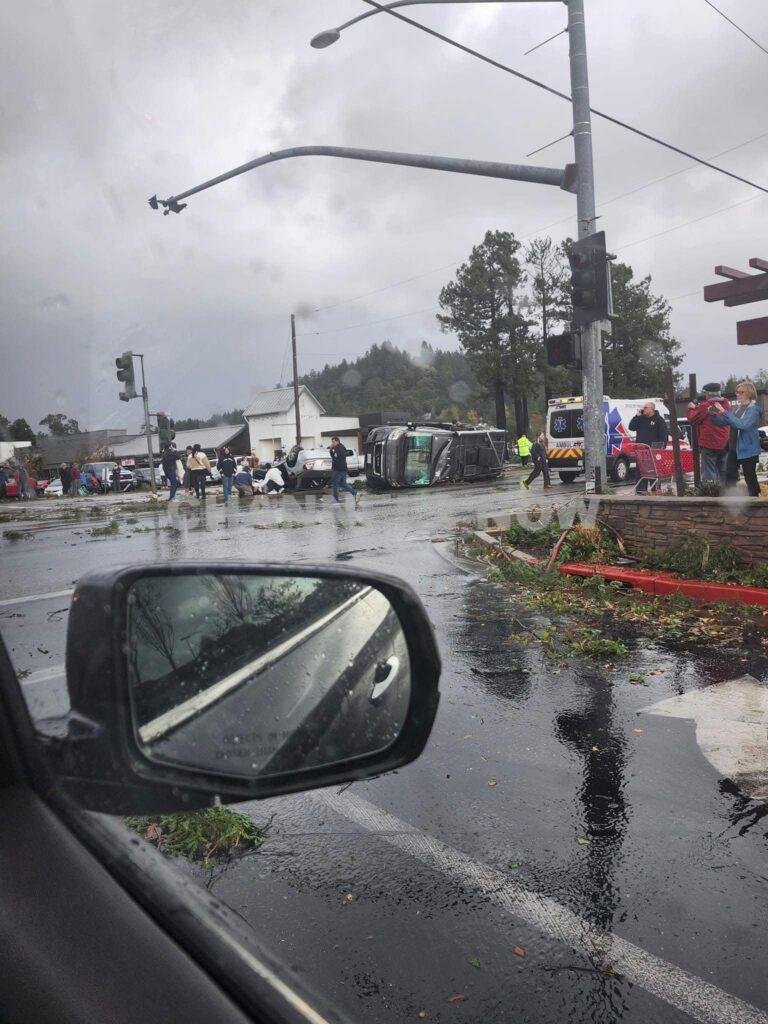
(323, 39)
(564, 179)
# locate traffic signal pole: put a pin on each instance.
(591, 340)
(147, 429)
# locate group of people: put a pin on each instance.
(191, 469)
(729, 437)
(188, 469)
(18, 473)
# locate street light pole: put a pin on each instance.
(295, 380)
(591, 339)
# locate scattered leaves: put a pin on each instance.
(582, 841)
(459, 997)
(474, 961)
(637, 730)
(514, 865)
(493, 782)
(518, 951)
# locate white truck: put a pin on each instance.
(565, 434)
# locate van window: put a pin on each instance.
(566, 423)
(417, 459)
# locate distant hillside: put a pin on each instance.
(386, 379)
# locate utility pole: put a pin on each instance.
(591, 341)
(295, 380)
(147, 430)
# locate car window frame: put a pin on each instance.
(208, 931)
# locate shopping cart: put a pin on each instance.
(657, 464)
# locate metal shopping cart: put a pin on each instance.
(657, 464)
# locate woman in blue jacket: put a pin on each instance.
(744, 417)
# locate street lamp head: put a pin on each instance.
(327, 38)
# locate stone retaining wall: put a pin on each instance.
(652, 524)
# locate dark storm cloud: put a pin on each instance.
(104, 104)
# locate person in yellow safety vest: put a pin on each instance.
(524, 449)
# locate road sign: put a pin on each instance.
(752, 332)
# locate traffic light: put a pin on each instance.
(589, 279)
(124, 364)
(561, 350)
(165, 431)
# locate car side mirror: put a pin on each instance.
(192, 684)
(350, 452)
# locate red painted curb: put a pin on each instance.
(656, 582)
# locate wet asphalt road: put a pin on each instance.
(395, 895)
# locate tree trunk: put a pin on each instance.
(501, 412)
(521, 415)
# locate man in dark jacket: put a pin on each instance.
(339, 471)
(169, 462)
(227, 466)
(651, 429)
(713, 439)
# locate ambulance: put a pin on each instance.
(565, 434)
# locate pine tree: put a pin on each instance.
(483, 307)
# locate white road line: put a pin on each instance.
(44, 675)
(701, 1000)
(35, 597)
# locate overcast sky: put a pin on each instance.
(104, 104)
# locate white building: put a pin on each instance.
(272, 423)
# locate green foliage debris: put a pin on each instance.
(111, 528)
(211, 834)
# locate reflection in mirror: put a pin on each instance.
(260, 675)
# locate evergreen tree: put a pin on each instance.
(20, 430)
(60, 425)
(640, 347)
(483, 308)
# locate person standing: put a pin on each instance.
(540, 464)
(199, 468)
(169, 463)
(74, 480)
(23, 481)
(745, 419)
(227, 467)
(339, 480)
(524, 448)
(186, 481)
(651, 430)
(66, 478)
(117, 472)
(713, 439)
(3, 480)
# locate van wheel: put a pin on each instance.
(567, 478)
(620, 471)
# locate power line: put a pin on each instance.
(556, 92)
(685, 223)
(563, 220)
(737, 27)
(370, 323)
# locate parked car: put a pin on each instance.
(143, 478)
(103, 473)
(55, 488)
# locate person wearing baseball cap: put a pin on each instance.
(713, 438)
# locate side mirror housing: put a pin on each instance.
(193, 684)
